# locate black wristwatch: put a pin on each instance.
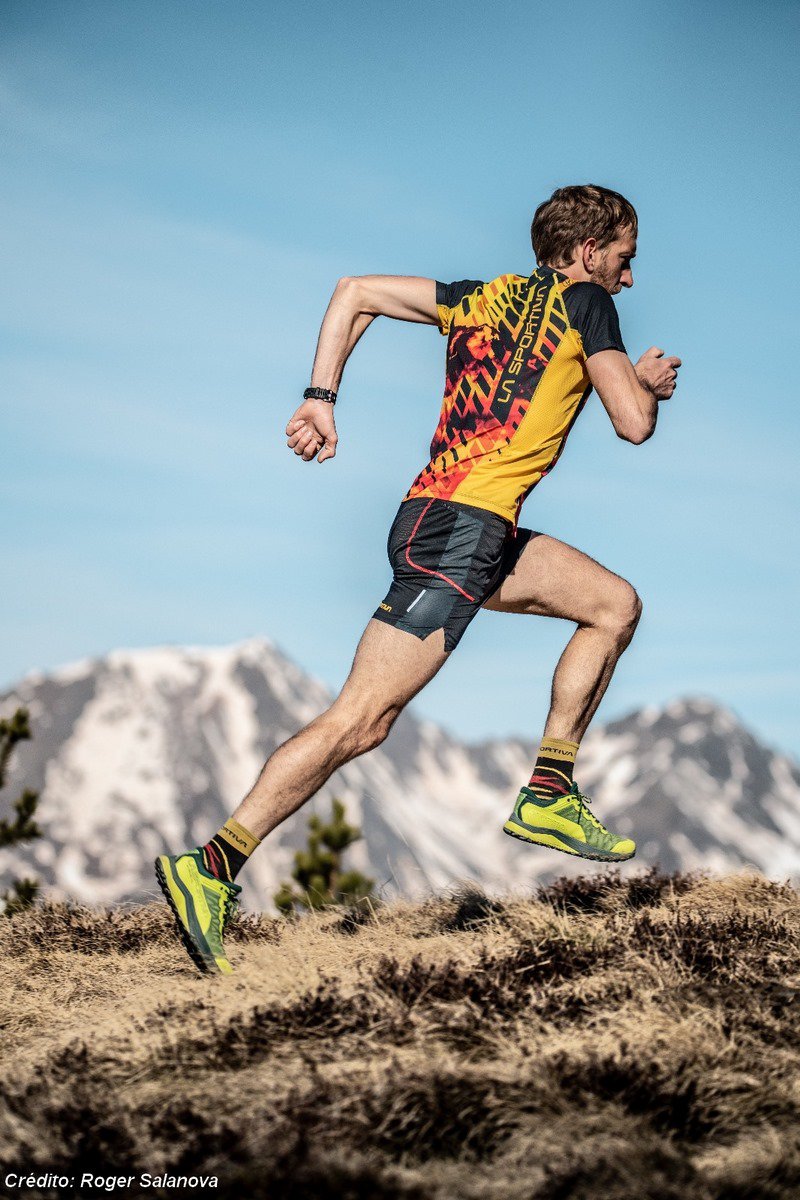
(315, 393)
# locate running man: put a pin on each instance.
(523, 355)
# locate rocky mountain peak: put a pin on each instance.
(151, 748)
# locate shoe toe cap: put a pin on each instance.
(625, 846)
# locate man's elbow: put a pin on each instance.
(636, 434)
(351, 290)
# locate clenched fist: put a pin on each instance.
(311, 433)
(658, 374)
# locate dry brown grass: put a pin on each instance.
(618, 1039)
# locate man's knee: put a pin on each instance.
(360, 730)
(376, 728)
(621, 611)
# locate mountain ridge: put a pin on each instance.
(144, 749)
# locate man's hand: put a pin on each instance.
(354, 305)
(656, 373)
(311, 433)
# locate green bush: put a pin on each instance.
(23, 828)
(318, 875)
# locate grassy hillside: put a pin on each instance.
(606, 1038)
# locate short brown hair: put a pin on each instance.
(573, 214)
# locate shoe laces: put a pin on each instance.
(229, 906)
(583, 807)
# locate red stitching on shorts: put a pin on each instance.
(425, 570)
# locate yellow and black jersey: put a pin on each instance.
(516, 381)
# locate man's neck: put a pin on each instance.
(575, 271)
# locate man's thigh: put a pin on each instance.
(391, 666)
(446, 559)
(549, 578)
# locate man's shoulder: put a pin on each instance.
(480, 295)
(586, 301)
(507, 280)
(497, 283)
(584, 289)
(584, 294)
(592, 313)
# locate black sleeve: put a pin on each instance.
(592, 313)
(451, 294)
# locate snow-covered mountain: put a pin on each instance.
(151, 749)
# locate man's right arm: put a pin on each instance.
(630, 392)
(405, 297)
(355, 304)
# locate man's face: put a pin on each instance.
(612, 268)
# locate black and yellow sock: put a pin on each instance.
(228, 850)
(552, 774)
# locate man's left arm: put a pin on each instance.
(630, 392)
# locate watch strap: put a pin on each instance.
(318, 393)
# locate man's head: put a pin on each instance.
(589, 233)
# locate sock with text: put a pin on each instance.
(552, 774)
(228, 850)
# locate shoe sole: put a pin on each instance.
(187, 941)
(542, 838)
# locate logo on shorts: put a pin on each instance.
(385, 607)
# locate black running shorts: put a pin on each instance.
(447, 559)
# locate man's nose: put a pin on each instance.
(626, 278)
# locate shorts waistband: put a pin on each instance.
(484, 514)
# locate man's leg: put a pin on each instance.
(389, 668)
(552, 579)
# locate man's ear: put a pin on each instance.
(589, 255)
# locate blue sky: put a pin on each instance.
(184, 183)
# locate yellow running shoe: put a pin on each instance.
(566, 823)
(202, 906)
